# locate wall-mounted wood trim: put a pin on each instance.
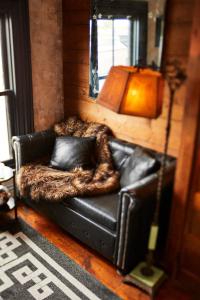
(185, 165)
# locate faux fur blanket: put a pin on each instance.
(42, 182)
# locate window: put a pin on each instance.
(118, 36)
(5, 90)
(115, 45)
(15, 75)
(124, 32)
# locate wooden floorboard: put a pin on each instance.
(92, 262)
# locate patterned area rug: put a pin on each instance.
(33, 268)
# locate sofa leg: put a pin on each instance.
(119, 272)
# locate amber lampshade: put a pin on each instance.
(133, 91)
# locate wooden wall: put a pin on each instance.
(183, 252)
(76, 76)
(46, 55)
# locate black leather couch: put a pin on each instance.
(117, 224)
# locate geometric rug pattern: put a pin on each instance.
(33, 268)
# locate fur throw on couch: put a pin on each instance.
(42, 182)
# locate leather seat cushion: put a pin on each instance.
(102, 210)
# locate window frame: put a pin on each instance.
(18, 71)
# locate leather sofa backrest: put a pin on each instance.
(32, 146)
(121, 151)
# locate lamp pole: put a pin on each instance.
(175, 76)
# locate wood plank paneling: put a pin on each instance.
(181, 11)
(184, 236)
(76, 17)
(79, 56)
(75, 73)
(71, 5)
(76, 37)
(143, 131)
(76, 76)
(47, 61)
(178, 40)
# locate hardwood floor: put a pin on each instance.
(91, 261)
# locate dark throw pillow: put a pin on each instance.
(120, 150)
(137, 166)
(71, 152)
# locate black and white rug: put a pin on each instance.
(32, 268)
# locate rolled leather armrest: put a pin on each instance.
(148, 184)
(32, 146)
(137, 206)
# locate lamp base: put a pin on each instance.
(149, 283)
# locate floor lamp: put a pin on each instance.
(139, 92)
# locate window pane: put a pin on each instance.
(122, 30)
(105, 46)
(4, 130)
(101, 83)
(118, 44)
(2, 85)
(136, 42)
